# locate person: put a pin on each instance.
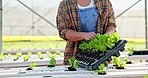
(79, 20)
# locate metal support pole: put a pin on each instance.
(0, 26)
(128, 9)
(37, 14)
(146, 24)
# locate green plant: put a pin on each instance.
(102, 69)
(53, 56)
(122, 64)
(38, 53)
(9, 54)
(15, 57)
(130, 52)
(61, 55)
(100, 43)
(116, 60)
(126, 59)
(32, 65)
(2, 56)
(18, 54)
(29, 54)
(26, 57)
(58, 52)
(130, 49)
(48, 53)
(73, 63)
(41, 56)
(52, 62)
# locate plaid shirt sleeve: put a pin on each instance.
(111, 17)
(61, 22)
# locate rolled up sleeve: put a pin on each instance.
(61, 23)
(111, 17)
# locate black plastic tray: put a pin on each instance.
(91, 60)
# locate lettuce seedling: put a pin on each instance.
(9, 54)
(100, 43)
(32, 66)
(41, 56)
(58, 52)
(15, 57)
(130, 49)
(73, 63)
(48, 53)
(2, 56)
(122, 64)
(29, 54)
(53, 56)
(116, 60)
(102, 69)
(18, 54)
(38, 53)
(26, 57)
(126, 59)
(52, 62)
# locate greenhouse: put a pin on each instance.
(50, 39)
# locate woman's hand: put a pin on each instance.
(89, 36)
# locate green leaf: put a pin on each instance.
(52, 61)
(32, 65)
(126, 59)
(73, 63)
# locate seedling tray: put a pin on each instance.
(140, 52)
(91, 60)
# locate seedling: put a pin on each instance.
(48, 53)
(58, 52)
(15, 57)
(61, 55)
(9, 54)
(102, 70)
(130, 49)
(53, 56)
(100, 43)
(29, 54)
(18, 54)
(121, 65)
(2, 56)
(127, 60)
(26, 57)
(116, 61)
(41, 56)
(38, 53)
(52, 62)
(32, 66)
(73, 64)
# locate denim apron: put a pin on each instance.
(89, 19)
